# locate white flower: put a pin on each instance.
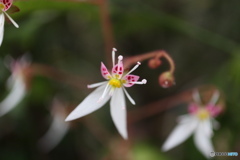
(17, 85)
(57, 129)
(199, 122)
(4, 6)
(113, 88)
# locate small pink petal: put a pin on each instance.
(214, 110)
(118, 70)
(105, 72)
(7, 4)
(130, 79)
(193, 108)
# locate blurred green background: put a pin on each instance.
(201, 36)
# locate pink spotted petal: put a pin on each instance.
(7, 4)
(214, 110)
(129, 79)
(193, 108)
(105, 72)
(118, 70)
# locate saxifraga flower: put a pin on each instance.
(113, 88)
(199, 122)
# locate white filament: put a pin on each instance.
(13, 22)
(134, 68)
(113, 56)
(196, 97)
(104, 92)
(215, 98)
(144, 81)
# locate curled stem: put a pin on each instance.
(156, 55)
(166, 79)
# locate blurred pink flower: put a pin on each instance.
(57, 129)
(200, 122)
(17, 85)
(114, 87)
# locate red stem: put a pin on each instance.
(106, 29)
(154, 54)
(158, 106)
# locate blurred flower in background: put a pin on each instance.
(17, 83)
(57, 129)
(200, 122)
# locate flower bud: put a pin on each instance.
(166, 79)
(154, 63)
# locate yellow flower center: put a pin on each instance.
(203, 114)
(2, 6)
(116, 83)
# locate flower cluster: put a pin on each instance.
(199, 121)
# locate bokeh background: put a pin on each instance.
(73, 37)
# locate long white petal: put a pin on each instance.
(14, 97)
(89, 104)
(2, 20)
(207, 127)
(203, 140)
(181, 132)
(55, 133)
(118, 112)
(13, 22)
(184, 118)
(10, 82)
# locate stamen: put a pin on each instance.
(214, 98)
(113, 56)
(104, 93)
(13, 22)
(120, 58)
(94, 85)
(134, 68)
(129, 97)
(144, 81)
